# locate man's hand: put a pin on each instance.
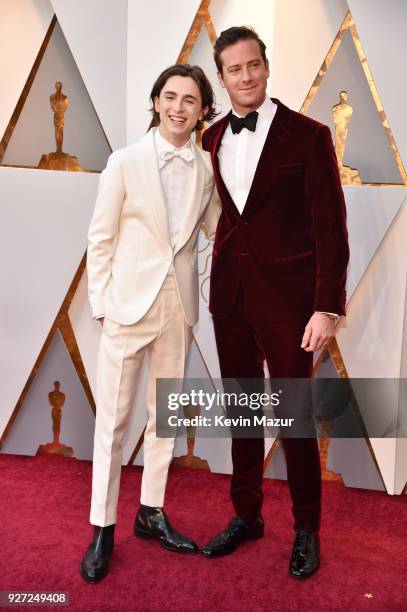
(101, 321)
(318, 332)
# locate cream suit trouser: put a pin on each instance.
(164, 334)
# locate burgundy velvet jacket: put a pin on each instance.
(289, 247)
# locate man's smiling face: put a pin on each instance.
(180, 108)
(244, 75)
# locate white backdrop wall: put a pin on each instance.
(23, 25)
(119, 48)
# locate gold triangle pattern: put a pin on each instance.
(26, 90)
(349, 25)
(62, 322)
(202, 20)
(334, 353)
(23, 98)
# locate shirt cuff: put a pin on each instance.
(332, 315)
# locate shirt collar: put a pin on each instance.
(163, 145)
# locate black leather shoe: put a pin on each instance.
(153, 523)
(305, 556)
(228, 540)
(95, 563)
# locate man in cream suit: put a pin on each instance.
(143, 287)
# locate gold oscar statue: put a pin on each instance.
(57, 400)
(191, 460)
(342, 114)
(59, 160)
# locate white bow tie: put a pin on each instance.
(185, 154)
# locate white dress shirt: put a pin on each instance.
(239, 154)
(176, 167)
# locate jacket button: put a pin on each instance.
(243, 253)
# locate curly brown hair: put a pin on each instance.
(197, 74)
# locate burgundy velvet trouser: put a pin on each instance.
(243, 345)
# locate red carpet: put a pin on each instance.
(44, 532)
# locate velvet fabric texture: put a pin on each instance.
(243, 345)
(289, 247)
(273, 265)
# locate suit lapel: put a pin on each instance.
(223, 124)
(270, 153)
(277, 133)
(193, 202)
(148, 165)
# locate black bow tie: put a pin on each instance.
(249, 122)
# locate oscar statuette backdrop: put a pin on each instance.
(77, 88)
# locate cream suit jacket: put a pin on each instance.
(129, 251)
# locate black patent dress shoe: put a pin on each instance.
(305, 556)
(153, 523)
(95, 563)
(235, 533)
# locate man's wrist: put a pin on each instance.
(331, 315)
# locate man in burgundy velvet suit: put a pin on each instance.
(278, 273)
